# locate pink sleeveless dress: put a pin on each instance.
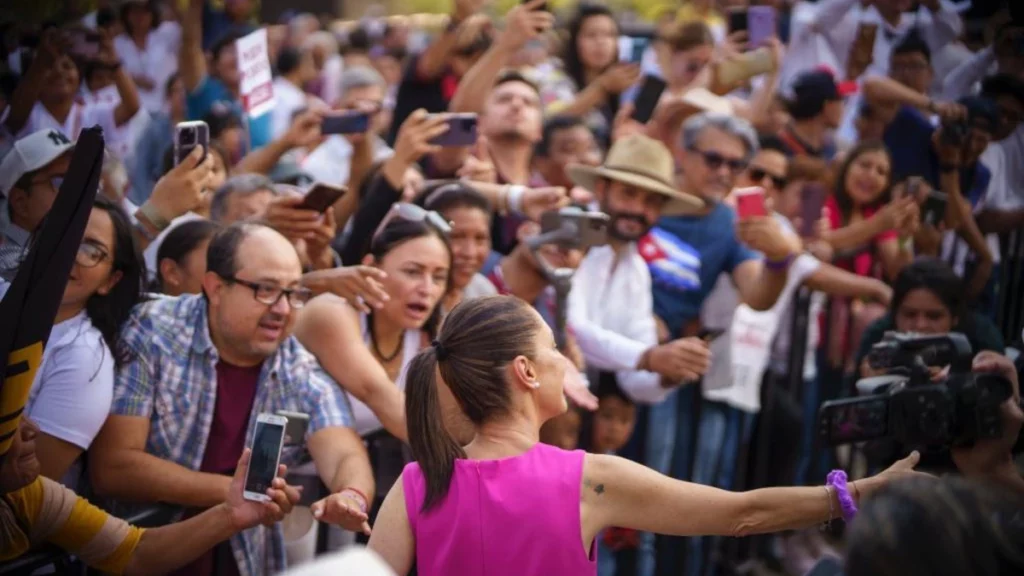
(517, 516)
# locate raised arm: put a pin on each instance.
(329, 328)
(192, 61)
(939, 23)
(618, 492)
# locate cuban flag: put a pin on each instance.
(672, 262)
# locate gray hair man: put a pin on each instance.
(714, 149)
(242, 197)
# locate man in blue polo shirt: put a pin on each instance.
(219, 87)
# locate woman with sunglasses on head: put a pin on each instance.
(70, 397)
(368, 353)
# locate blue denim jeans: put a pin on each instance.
(669, 439)
(606, 563)
(723, 429)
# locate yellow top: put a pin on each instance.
(54, 514)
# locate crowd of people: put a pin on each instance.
(481, 399)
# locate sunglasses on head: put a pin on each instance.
(414, 213)
(759, 174)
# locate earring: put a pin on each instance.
(534, 384)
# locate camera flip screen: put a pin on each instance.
(855, 421)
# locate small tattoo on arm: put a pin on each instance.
(598, 488)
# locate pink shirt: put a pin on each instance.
(517, 516)
(863, 264)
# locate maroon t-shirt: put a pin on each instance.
(236, 392)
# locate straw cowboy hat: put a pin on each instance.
(643, 162)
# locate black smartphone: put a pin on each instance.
(933, 211)
(295, 429)
(647, 98)
(351, 122)
(812, 200)
(639, 47)
(461, 131)
(321, 197)
(709, 335)
(188, 135)
(737, 20)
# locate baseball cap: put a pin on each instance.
(30, 154)
(820, 84)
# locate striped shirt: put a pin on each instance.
(172, 380)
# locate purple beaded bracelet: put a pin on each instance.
(837, 480)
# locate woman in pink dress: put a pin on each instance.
(507, 504)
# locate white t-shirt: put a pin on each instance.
(158, 61)
(73, 388)
(81, 116)
(331, 162)
(287, 99)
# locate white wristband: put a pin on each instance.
(515, 198)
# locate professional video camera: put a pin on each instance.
(908, 406)
(569, 227)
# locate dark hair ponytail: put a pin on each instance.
(478, 339)
(432, 445)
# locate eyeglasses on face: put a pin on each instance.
(268, 294)
(55, 181)
(715, 161)
(89, 255)
(758, 175)
(414, 213)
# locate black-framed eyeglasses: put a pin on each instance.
(268, 294)
(714, 161)
(89, 255)
(414, 213)
(758, 175)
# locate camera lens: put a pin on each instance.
(188, 136)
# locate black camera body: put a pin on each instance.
(911, 408)
(955, 133)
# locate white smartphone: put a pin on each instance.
(295, 430)
(267, 441)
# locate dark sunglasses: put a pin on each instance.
(759, 174)
(714, 161)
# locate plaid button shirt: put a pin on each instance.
(172, 380)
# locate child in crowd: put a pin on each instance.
(563, 431)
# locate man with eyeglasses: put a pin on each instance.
(30, 177)
(201, 368)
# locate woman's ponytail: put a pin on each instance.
(432, 446)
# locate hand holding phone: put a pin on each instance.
(461, 133)
(267, 441)
(750, 202)
(187, 137)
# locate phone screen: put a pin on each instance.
(737, 21)
(639, 47)
(647, 99)
(855, 420)
(345, 123)
(933, 211)
(266, 450)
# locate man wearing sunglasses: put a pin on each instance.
(202, 367)
(30, 177)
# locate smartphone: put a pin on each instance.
(639, 47)
(267, 441)
(853, 420)
(812, 201)
(750, 202)
(760, 25)
(863, 49)
(709, 335)
(349, 122)
(84, 43)
(322, 196)
(933, 210)
(188, 135)
(295, 430)
(738, 20)
(461, 131)
(647, 98)
(591, 228)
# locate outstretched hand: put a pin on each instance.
(346, 509)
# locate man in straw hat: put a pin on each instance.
(610, 306)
